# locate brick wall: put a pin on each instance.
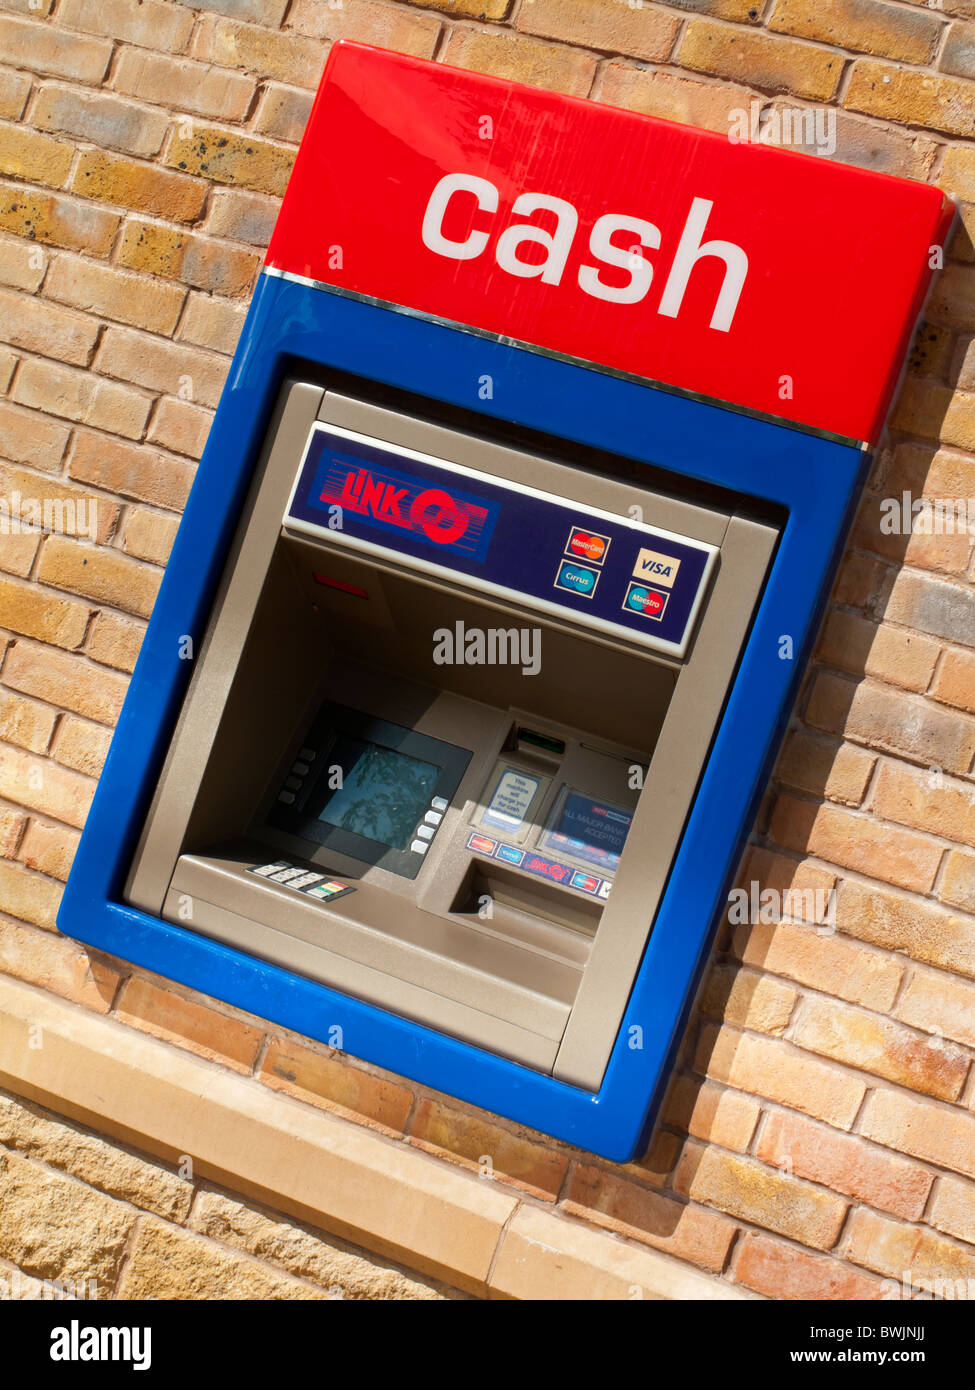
(819, 1137)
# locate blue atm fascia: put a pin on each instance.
(815, 481)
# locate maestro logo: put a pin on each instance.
(387, 499)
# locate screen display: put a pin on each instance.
(383, 795)
(590, 830)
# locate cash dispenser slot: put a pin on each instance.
(446, 725)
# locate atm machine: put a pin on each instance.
(473, 653)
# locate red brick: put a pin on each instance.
(330, 1081)
(771, 1068)
(825, 766)
(168, 1015)
(470, 1139)
(822, 961)
(901, 923)
(925, 800)
(939, 1005)
(777, 1270)
(845, 1163)
(752, 1192)
(935, 1133)
(689, 1232)
(953, 1209)
(712, 1112)
(748, 999)
(856, 842)
(876, 1045)
(955, 681)
(889, 720)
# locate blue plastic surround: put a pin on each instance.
(816, 482)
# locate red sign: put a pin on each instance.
(779, 282)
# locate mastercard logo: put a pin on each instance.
(588, 546)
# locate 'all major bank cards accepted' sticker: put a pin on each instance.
(590, 830)
(509, 805)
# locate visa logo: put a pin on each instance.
(662, 569)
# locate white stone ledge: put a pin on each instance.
(362, 1186)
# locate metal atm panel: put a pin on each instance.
(488, 917)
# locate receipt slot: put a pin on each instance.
(491, 596)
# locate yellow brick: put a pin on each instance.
(145, 187)
(825, 766)
(744, 55)
(747, 999)
(865, 25)
(63, 508)
(14, 91)
(170, 368)
(939, 1005)
(131, 471)
(28, 437)
(28, 896)
(57, 220)
(44, 328)
(194, 260)
(521, 60)
(47, 48)
(225, 156)
(955, 683)
(68, 681)
(266, 52)
(49, 848)
(926, 801)
(82, 746)
(953, 1209)
(958, 54)
(914, 98)
(643, 31)
(166, 1262)
(115, 294)
(902, 658)
(386, 26)
(752, 1192)
(115, 641)
(77, 395)
(103, 575)
(25, 723)
(179, 426)
(822, 961)
(454, 9)
(181, 83)
(212, 323)
(40, 785)
(891, 1248)
(672, 96)
(11, 829)
(149, 535)
(26, 609)
(856, 842)
(22, 266)
(24, 154)
(958, 880)
(149, 23)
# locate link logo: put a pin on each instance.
(446, 519)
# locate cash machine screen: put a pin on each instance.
(369, 788)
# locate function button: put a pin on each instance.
(439, 803)
(426, 832)
(307, 755)
(419, 846)
(287, 797)
(301, 769)
(305, 879)
(294, 783)
(433, 817)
